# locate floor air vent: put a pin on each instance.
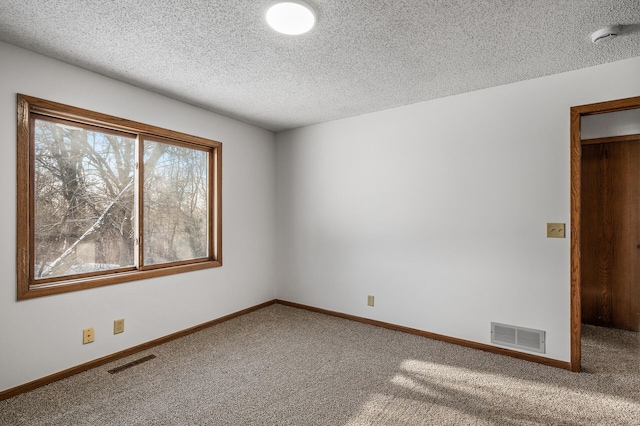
(518, 337)
(131, 364)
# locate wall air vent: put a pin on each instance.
(518, 337)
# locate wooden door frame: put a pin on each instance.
(576, 158)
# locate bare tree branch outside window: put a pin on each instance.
(84, 200)
(175, 203)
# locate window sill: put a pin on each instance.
(34, 290)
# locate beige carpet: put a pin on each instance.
(284, 366)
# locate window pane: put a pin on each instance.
(175, 203)
(84, 200)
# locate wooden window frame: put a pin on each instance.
(27, 286)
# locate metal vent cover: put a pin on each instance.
(518, 337)
(131, 364)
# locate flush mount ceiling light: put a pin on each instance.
(291, 17)
(605, 34)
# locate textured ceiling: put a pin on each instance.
(363, 55)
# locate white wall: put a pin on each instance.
(43, 336)
(438, 209)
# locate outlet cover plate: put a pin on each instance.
(88, 335)
(118, 326)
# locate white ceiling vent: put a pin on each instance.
(518, 337)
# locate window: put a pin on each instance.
(103, 200)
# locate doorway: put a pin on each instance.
(610, 232)
(576, 214)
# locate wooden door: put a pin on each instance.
(610, 234)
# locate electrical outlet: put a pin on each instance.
(370, 300)
(118, 326)
(87, 335)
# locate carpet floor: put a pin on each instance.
(286, 366)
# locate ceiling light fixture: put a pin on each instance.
(291, 17)
(605, 34)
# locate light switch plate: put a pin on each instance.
(555, 230)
